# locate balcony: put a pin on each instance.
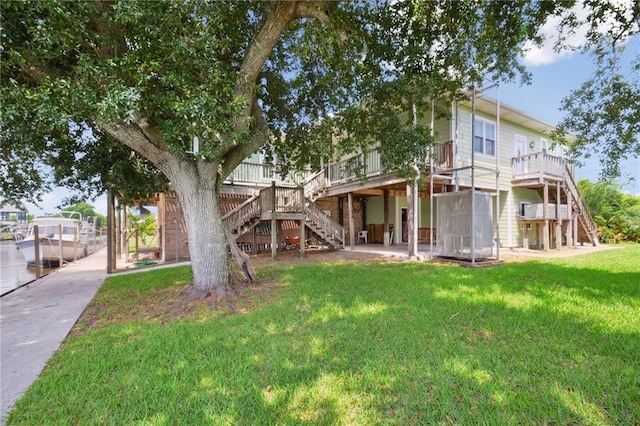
(353, 168)
(263, 174)
(371, 164)
(538, 167)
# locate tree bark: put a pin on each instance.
(207, 239)
(196, 183)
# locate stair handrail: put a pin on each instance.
(586, 218)
(315, 182)
(243, 213)
(286, 199)
(327, 228)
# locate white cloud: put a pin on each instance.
(546, 54)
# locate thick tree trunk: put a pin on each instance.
(207, 240)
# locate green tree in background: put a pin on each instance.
(87, 210)
(142, 227)
(604, 112)
(617, 214)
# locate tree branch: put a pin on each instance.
(260, 136)
(256, 55)
(320, 11)
(261, 47)
(141, 138)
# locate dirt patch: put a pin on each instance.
(319, 256)
(168, 303)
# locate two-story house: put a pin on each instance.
(494, 180)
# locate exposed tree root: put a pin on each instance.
(194, 293)
(241, 257)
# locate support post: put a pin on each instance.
(387, 234)
(162, 226)
(111, 258)
(274, 222)
(137, 246)
(254, 241)
(558, 218)
(75, 245)
(117, 233)
(352, 237)
(178, 239)
(411, 225)
(545, 236)
(36, 251)
(570, 242)
(124, 250)
(302, 222)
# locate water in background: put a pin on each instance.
(13, 269)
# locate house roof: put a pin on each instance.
(5, 207)
(507, 112)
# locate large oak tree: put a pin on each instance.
(102, 90)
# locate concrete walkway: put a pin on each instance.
(35, 319)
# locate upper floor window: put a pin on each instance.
(544, 144)
(484, 137)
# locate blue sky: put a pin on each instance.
(554, 81)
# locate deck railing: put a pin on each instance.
(371, 163)
(245, 212)
(442, 155)
(323, 225)
(354, 167)
(287, 199)
(264, 174)
(315, 184)
(538, 165)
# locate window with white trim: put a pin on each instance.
(484, 137)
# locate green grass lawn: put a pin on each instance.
(539, 342)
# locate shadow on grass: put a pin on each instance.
(526, 343)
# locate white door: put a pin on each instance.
(520, 150)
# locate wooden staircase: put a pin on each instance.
(284, 204)
(328, 230)
(579, 207)
(587, 228)
(243, 218)
(537, 170)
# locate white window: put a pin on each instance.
(484, 137)
(195, 146)
(544, 144)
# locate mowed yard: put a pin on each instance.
(335, 342)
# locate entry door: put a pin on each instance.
(520, 149)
